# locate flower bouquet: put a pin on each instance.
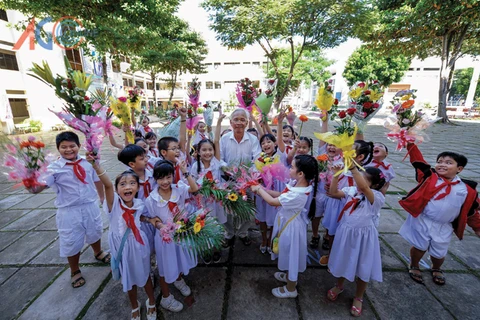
(367, 99)
(246, 94)
(79, 112)
(291, 116)
(242, 208)
(121, 110)
(303, 118)
(208, 115)
(27, 162)
(325, 101)
(406, 123)
(193, 93)
(271, 169)
(343, 137)
(197, 231)
(135, 98)
(265, 100)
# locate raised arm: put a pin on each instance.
(266, 196)
(104, 179)
(280, 143)
(183, 129)
(191, 182)
(362, 185)
(216, 140)
(259, 128)
(422, 168)
(323, 129)
(293, 151)
(334, 192)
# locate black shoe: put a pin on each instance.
(314, 242)
(246, 241)
(325, 244)
(207, 259)
(227, 243)
(217, 256)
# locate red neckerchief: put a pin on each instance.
(209, 176)
(173, 207)
(155, 153)
(177, 174)
(350, 204)
(381, 164)
(147, 188)
(129, 217)
(287, 149)
(150, 165)
(449, 185)
(78, 170)
(147, 129)
(202, 135)
(349, 180)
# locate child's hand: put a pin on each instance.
(92, 158)
(281, 116)
(154, 221)
(182, 112)
(256, 188)
(183, 166)
(296, 144)
(337, 167)
(221, 117)
(126, 127)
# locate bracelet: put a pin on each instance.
(101, 174)
(183, 120)
(186, 174)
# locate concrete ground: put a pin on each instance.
(35, 281)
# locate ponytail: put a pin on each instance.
(313, 205)
(366, 149)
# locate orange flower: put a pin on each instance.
(322, 157)
(275, 120)
(24, 144)
(290, 109)
(407, 104)
(303, 118)
(38, 144)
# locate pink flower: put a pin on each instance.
(361, 84)
(376, 105)
(11, 148)
(13, 176)
(31, 138)
(122, 99)
(96, 106)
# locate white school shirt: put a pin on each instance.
(215, 168)
(158, 207)
(447, 209)
(364, 209)
(151, 180)
(389, 173)
(234, 153)
(70, 190)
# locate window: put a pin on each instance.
(247, 63)
(157, 85)
(431, 69)
(19, 109)
(207, 64)
(3, 15)
(216, 65)
(231, 63)
(209, 84)
(256, 63)
(8, 61)
(150, 85)
(139, 84)
(75, 59)
(116, 66)
(127, 82)
(411, 69)
(218, 85)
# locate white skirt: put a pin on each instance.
(333, 207)
(356, 253)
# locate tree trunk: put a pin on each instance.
(104, 69)
(154, 81)
(445, 70)
(173, 82)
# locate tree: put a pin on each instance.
(296, 25)
(366, 64)
(461, 83)
(310, 68)
(448, 29)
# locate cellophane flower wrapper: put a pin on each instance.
(208, 116)
(134, 100)
(239, 205)
(172, 129)
(291, 116)
(197, 232)
(246, 94)
(123, 112)
(274, 172)
(264, 100)
(193, 93)
(28, 163)
(367, 99)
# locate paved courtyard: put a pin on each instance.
(35, 281)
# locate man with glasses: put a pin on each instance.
(236, 147)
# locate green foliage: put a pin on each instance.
(117, 123)
(461, 83)
(295, 25)
(309, 68)
(367, 65)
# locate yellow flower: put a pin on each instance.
(324, 99)
(355, 93)
(267, 159)
(232, 197)
(406, 97)
(197, 227)
(376, 95)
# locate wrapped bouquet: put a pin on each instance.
(246, 94)
(367, 99)
(326, 102)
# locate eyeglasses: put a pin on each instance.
(174, 149)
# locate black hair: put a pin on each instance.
(376, 178)
(164, 143)
(383, 144)
(252, 130)
(268, 136)
(366, 149)
(287, 126)
(124, 174)
(162, 169)
(130, 153)
(310, 143)
(145, 117)
(150, 135)
(139, 139)
(137, 134)
(225, 131)
(274, 130)
(460, 159)
(199, 146)
(67, 136)
(309, 166)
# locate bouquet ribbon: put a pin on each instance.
(403, 138)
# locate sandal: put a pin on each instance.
(246, 241)
(438, 279)
(77, 279)
(326, 244)
(105, 258)
(314, 242)
(332, 295)
(137, 309)
(354, 311)
(415, 276)
(153, 315)
(263, 249)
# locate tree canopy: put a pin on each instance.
(295, 25)
(461, 83)
(422, 28)
(366, 64)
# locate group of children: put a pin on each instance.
(161, 175)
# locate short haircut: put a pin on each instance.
(124, 174)
(460, 159)
(138, 139)
(150, 135)
(130, 153)
(164, 143)
(67, 136)
(163, 168)
(138, 134)
(240, 110)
